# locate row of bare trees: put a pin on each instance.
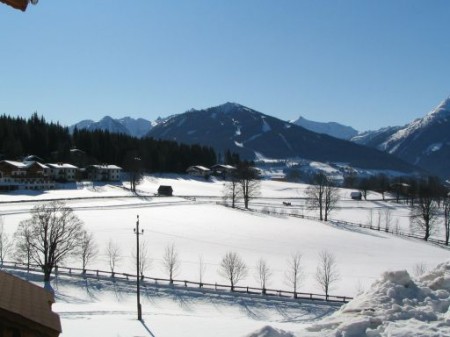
(428, 198)
(233, 268)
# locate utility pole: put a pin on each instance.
(138, 287)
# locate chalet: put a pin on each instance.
(104, 172)
(24, 175)
(165, 190)
(222, 170)
(198, 171)
(63, 172)
(26, 309)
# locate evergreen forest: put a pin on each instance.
(53, 143)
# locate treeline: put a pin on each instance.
(53, 143)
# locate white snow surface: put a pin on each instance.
(204, 228)
(395, 305)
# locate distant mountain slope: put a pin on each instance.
(376, 137)
(425, 142)
(127, 125)
(331, 128)
(252, 134)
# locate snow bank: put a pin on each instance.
(395, 305)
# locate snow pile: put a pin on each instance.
(395, 305)
(268, 331)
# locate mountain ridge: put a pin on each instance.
(250, 133)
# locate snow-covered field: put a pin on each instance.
(202, 227)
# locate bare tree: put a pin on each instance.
(370, 218)
(233, 268)
(5, 243)
(326, 273)
(263, 274)
(387, 213)
(424, 215)
(88, 249)
(447, 218)
(134, 168)
(379, 215)
(294, 274)
(232, 190)
(54, 232)
(249, 182)
(322, 195)
(425, 211)
(114, 255)
(23, 248)
(171, 262)
(201, 268)
(144, 259)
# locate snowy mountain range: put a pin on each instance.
(254, 135)
(133, 127)
(424, 142)
(330, 128)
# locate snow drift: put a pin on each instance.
(395, 305)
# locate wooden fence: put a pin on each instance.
(438, 242)
(178, 284)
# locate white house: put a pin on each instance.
(104, 172)
(63, 171)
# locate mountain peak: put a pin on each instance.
(442, 110)
(330, 128)
(230, 106)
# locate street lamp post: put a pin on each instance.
(138, 288)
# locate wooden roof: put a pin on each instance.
(17, 4)
(27, 300)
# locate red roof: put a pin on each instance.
(18, 4)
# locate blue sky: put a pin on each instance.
(367, 64)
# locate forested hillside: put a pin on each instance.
(53, 143)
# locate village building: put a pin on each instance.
(26, 309)
(30, 175)
(165, 190)
(63, 172)
(104, 172)
(198, 171)
(222, 170)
